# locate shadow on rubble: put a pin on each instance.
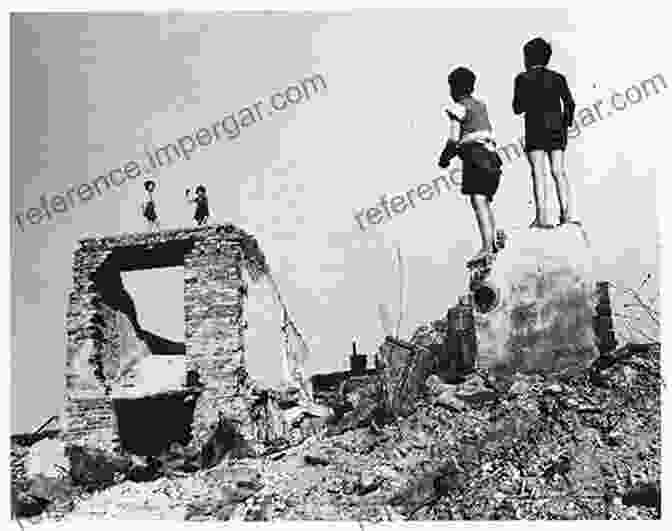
(92, 469)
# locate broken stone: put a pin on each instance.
(554, 388)
(242, 494)
(318, 410)
(25, 505)
(363, 491)
(253, 485)
(392, 515)
(233, 475)
(224, 440)
(47, 458)
(288, 397)
(93, 468)
(420, 440)
(448, 399)
(366, 478)
(475, 389)
(49, 488)
(389, 473)
(434, 384)
(545, 292)
(225, 513)
(476, 394)
(519, 387)
(615, 437)
(142, 470)
(368, 482)
(647, 495)
(315, 460)
(293, 415)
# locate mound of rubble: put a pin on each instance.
(578, 444)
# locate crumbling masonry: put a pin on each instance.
(104, 333)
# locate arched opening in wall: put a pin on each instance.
(147, 336)
(158, 295)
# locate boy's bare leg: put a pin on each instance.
(562, 188)
(485, 220)
(537, 160)
(491, 217)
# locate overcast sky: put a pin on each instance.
(89, 91)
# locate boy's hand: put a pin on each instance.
(448, 153)
(568, 120)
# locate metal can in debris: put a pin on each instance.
(459, 356)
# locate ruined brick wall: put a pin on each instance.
(214, 334)
(214, 290)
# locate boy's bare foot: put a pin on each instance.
(500, 240)
(573, 221)
(483, 254)
(536, 224)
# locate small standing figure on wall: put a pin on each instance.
(202, 213)
(149, 207)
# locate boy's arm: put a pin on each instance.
(454, 131)
(568, 105)
(518, 95)
(456, 114)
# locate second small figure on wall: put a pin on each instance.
(202, 213)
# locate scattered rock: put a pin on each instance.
(26, 506)
(537, 454)
(225, 513)
(475, 389)
(448, 399)
(519, 387)
(51, 489)
(315, 460)
(368, 482)
(554, 388)
(47, 458)
(225, 440)
(436, 386)
(647, 495)
(96, 469)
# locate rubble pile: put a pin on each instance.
(284, 417)
(17, 462)
(579, 444)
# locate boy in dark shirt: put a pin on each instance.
(545, 99)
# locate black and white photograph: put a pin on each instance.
(347, 265)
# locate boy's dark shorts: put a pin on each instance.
(481, 172)
(546, 141)
(546, 133)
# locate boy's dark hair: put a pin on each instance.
(200, 188)
(462, 81)
(537, 52)
(150, 185)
